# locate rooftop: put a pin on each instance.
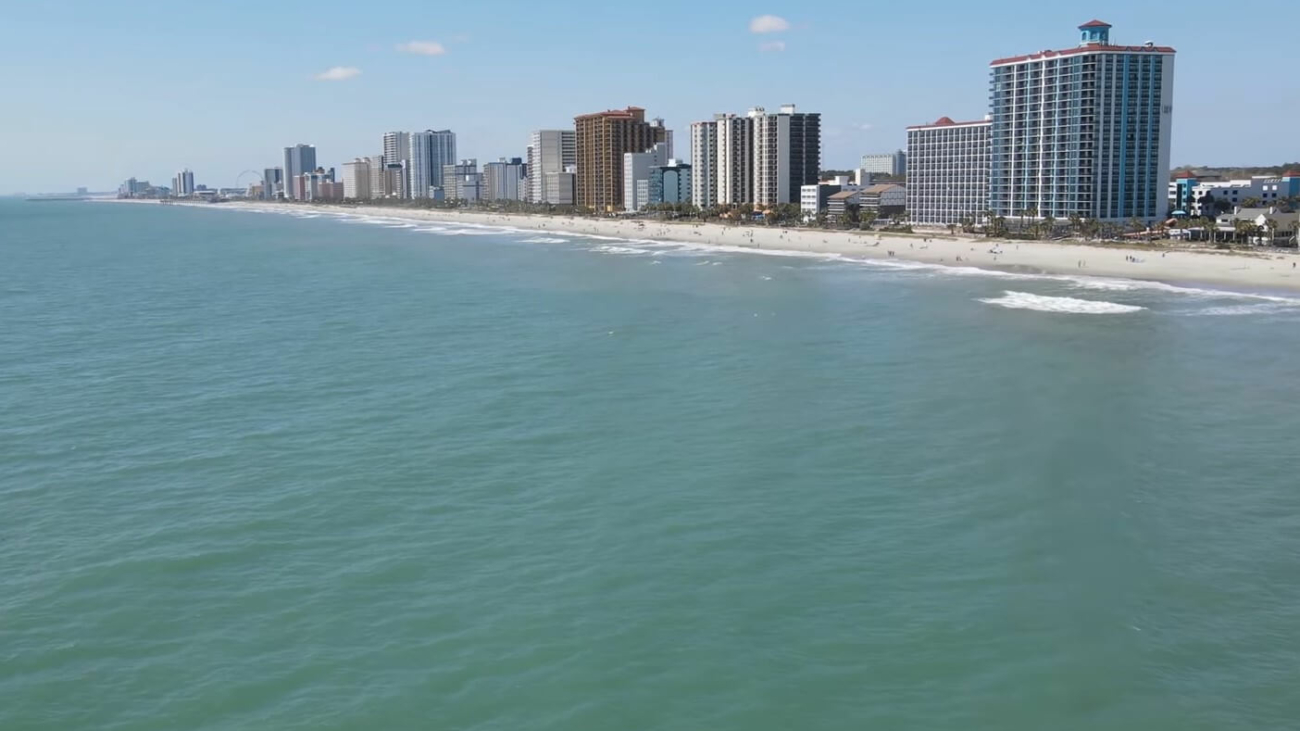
(1082, 49)
(1096, 24)
(881, 188)
(947, 122)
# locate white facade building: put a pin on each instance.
(948, 171)
(550, 152)
(356, 179)
(430, 151)
(1265, 190)
(1082, 131)
(636, 175)
(504, 180)
(787, 153)
(560, 186)
(888, 163)
(397, 149)
(183, 184)
(704, 163)
(735, 167)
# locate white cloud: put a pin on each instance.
(866, 126)
(338, 73)
(773, 47)
(422, 48)
(768, 24)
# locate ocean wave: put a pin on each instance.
(1263, 308)
(1042, 303)
(545, 240)
(624, 250)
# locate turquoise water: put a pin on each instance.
(273, 472)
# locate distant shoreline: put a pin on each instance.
(1253, 272)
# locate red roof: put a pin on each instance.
(1096, 24)
(947, 122)
(1291, 174)
(1082, 49)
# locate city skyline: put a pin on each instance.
(344, 91)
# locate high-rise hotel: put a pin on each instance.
(947, 172)
(757, 158)
(1082, 131)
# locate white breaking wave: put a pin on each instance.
(1268, 308)
(1043, 303)
(545, 240)
(625, 250)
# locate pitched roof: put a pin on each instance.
(947, 122)
(880, 188)
(843, 195)
(1096, 24)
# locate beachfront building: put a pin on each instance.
(504, 180)
(671, 182)
(704, 163)
(636, 175)
(893, 164)
(1082, 131)
(1209, 197)
(462, 181)
(391, 181)
(298, 159)
(550, 152)
(948, 172)
(397, 149)
(561, 187)
(356, 179)
(601, 140)
(431, 151)
(839, 204)
(787, 153)
(272, 183)
(883, 199)
(1272, 226)
(183, 184)
(735, 167)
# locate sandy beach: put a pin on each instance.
(1253, 271)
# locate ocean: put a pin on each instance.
(341, 472)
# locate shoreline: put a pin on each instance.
(1256, 272)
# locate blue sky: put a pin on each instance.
(100, 91)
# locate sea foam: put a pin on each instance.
(1042, 303)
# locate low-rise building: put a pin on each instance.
(885, 199)
(813, 198)
(1272, 226)
(1229, 194)
(839, 204)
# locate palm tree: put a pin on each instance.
(1049, 224)
(952, 229)
(1243, 229)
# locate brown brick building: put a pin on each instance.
(602, 139)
